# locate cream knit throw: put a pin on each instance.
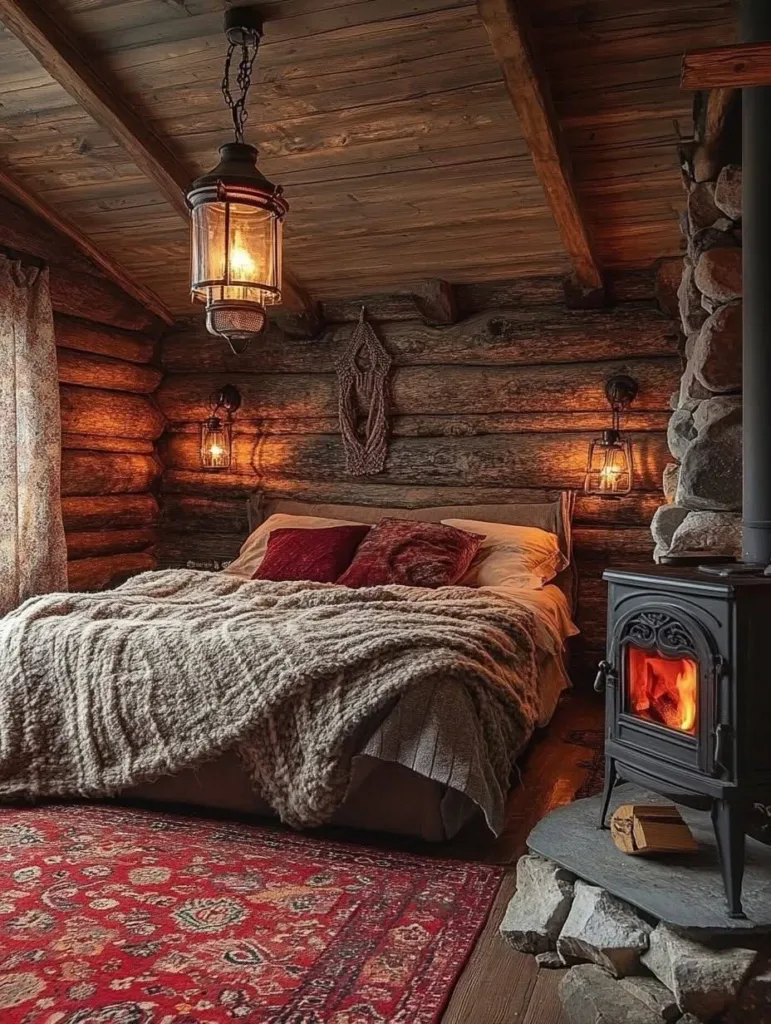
(103, 691)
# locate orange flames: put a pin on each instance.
(663, 690)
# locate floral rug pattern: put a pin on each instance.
(121, 916)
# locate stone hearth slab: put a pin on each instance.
(685, 891)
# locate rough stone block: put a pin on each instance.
(701, 208)
(669, 480)
(716, 357)
(655, 996)
(711, 466)
(720, 533)
(689, 298)
(719, 235)
(718, 274)
(540, 906)
(680, 432)
(665, 524)
(691, 389)
(704, 981)
(690, 344)
(721, 409)
(590, 995)
(728, 192)
(604, 930)
(709, 305)
(550, 960)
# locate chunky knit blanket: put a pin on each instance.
(102, 691)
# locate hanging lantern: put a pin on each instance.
(217, 432)
(237, 214)
(609, 466)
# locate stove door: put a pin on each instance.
(664, 702)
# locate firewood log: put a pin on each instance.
(644, 829)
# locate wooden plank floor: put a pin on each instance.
(499, 985)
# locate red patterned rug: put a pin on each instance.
(118, 916)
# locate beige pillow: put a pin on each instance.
(256, 544)
(517, 556)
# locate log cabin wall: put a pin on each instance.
(497, 407)
(106, 346)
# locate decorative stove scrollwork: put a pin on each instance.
(655, 630)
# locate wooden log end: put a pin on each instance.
(646, 829)
(580, 296)
(435, 302)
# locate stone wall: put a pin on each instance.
(703, 487)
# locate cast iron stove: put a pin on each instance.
(688, 696)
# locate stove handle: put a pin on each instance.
(723, 737)
(605, 675)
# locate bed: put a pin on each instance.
(418, 768)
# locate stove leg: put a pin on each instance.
(607, 792)
(728, 822)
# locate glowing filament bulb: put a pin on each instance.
(242, 265)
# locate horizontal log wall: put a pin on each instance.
(110, 467)
(498, 407)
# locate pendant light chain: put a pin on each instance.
(249, 45)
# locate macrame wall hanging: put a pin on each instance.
(362, 376)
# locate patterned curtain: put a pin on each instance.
(33, 554)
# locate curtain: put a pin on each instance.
(33, 553)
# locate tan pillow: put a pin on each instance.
(256, 544)
(516, 556)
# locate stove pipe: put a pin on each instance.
(756, 344)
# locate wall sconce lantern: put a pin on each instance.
(216, 432)
(237, 214)
(609, 467)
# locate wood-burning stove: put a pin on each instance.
(688, 696)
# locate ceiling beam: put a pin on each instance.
(112, 269)
(740, 66)
(510, 36)
(66, 61)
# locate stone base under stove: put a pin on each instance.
(685, 890)
(677, 958)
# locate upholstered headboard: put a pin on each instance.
(555, 516)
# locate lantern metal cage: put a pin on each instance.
(610, 461)
(217, 431)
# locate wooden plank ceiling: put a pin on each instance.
(388, 122)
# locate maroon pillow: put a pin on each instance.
(315, 555)
(412, 553)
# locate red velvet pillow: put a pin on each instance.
(315, 555)
(412, 553)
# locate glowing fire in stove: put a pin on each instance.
(663, 690)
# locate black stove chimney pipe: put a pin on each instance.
(756, 345)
